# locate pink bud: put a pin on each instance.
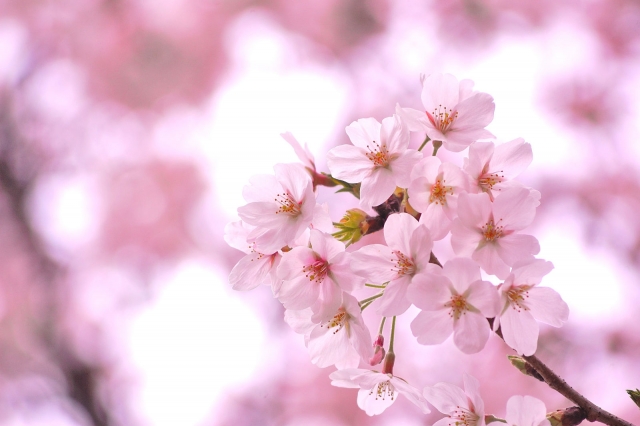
(378, 356)
(379, 341)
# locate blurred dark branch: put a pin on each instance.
(81, 378)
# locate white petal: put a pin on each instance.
(547, 306)
(471, 332)
(445, 397)
(520, 330)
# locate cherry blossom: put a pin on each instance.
(377, 390)
(281, 207)
(453, 113)
(525, 411)
(463, 408)
(257, 267)
(315, 277)
(434, 192)
(492, 167)
(342, 341)
(487, 232)
(378, 158)
(456, 301)
(405, 256)
(523, 302)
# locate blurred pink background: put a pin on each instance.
(128, 129)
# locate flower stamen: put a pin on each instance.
(287, 204)
(316, 271)
(442, 118)
(404, 264)
(384, 390)
(379, 156)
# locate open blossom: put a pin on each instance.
(492, 167)
(315, 277)
(488, 232)
(405, 256)
(525, 411)
(434, 192)
(458, 302)
(463, 408)
(341, 341)
(377, 390)
(257, 267)
(524, 303)
(453, 113)
(378, 158)
(280, 207)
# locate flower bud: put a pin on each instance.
(635, 396)
(378, 351)
(350, 227)
(571, 416)
(524, 367)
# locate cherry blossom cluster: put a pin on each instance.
(492, 285)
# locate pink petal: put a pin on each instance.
(296, 180)
(484, 296)
(432, 327)
(394, 134)
(471, 332)
(328, 302)
(403, 165)
(261, 188)
(480, 154)
(349, 163)
(457, 140)
(474, 210)
(371, 405)
(547, 306)
(299, 321)
(305, 156)
(436, 219)
(394, 301)
(415, 120)
(429, 292)
(516, 248)
(472, 389)
(398, 230)
(420, 194)
(531, 272)
(525, 411)
(462, 272)
(446, 397)
(520, 330)
(374, 263)
(475, 112)
(464, 240)
(364, 132)
(377, 187)
(411, 393)
(514, 208)
(298, 293)
(324, 245)
(420, 246)
(440, 90)
(341, 273)
(345, 378)
(251, 271)
(511, 158)
(488, 257)
(429, 168)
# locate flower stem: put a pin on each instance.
(375, 286)
(370, 299)
(393, 334)
(381, 325)
(436, 147)
(426, 139)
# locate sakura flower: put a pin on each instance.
(523, 302)
(525, 411)
(491, 167)
(434, 192)
(487, 232)
(463, 408)
(378, 158)
(281, 207)
(377, 390)
(456, 301)
(257, 267)
(342, 341)
(453, 113)
(315, 277)
(405, 256)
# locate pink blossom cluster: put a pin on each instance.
(492, 284)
